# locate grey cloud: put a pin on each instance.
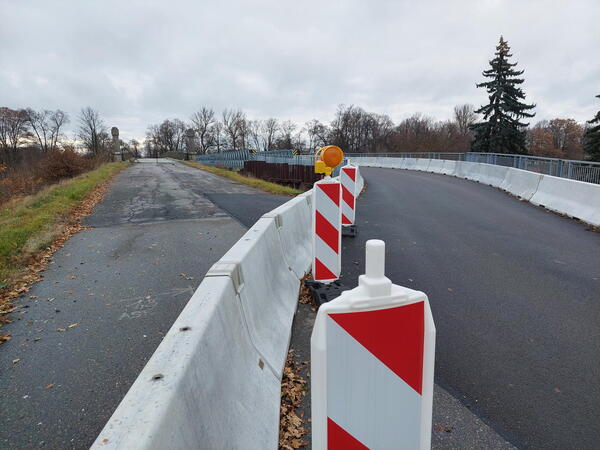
(139, 62)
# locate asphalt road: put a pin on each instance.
(515, 294)
(120, 286)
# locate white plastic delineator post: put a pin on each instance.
(372, 355)
(327, 230)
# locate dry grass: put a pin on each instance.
(33, 227)
(272, 188)
(29, 177)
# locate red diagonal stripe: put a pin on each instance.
(340, 439)
(345, 220)
(351, 172)
(332, 190)
(347, 197)
(326, 231)
(322, 272)
(395, 336)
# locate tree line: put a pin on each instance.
(495, 127)
(498, 126)
(33, 133)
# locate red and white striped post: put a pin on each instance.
(348, 176)
(327, 230)
(372, 355)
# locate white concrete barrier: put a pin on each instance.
(293, 221)
(215, 379)
(436, 166)
(468, 170)
(206, 386)
(490, 174)
(421, 164)
(409, 164)
(521, 183)
(267, 288)
(449, 168)
(573, 198)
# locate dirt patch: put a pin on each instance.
(293, 390)
(294, 430)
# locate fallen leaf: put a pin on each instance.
(15, 361)
(60, 330)
(73, 325)
(49, 386)
(71, 277)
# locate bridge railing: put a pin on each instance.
(565, 168)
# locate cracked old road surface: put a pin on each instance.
(115, 290)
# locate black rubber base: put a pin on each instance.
(323, 293)
(350, 231)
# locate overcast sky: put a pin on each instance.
(139, 62)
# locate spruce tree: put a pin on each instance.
(592, 138)
(501, 130)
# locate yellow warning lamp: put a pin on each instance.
(326, 158)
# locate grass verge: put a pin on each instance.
(33, 227)
(272, 188)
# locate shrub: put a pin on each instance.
(58, 165)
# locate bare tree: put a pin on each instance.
(92, 130)
(285, 138)
(14, 128)
(46, 126)
(217, 133)
(57, 120)
(255, 134)
(464, 116)
(134, 148)
(270, 129)
(317, 134)
(234, 124)
(203, 120)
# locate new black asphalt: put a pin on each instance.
(515, 295)
(84, 333)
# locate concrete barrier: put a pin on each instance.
(267, 288)
(215, 379)
(205, 386)
(573, 198)
(293, 221)
(521, 183)
(490, 174)
(468, 170)
(409, 164)
(435, 166)
(421, 164)
(449, 168)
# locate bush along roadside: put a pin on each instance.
(271, 188)
(32, 228)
